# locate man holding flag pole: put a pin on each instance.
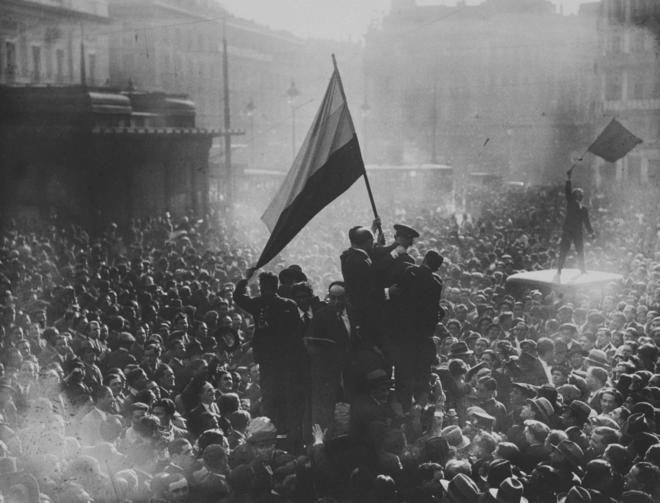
(327, 164)
(614, 142)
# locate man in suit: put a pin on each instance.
(365, 298)
(329, 341)
(577, 216)
(275, 318)
(298, 388)
(396, 273)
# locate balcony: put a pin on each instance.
(632, 105)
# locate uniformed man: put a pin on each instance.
(393, 267)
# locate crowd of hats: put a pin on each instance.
(159, 287)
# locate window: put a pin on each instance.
(92, 68)
(634, 170)
(36, 63)
(637, 87)
(59, 65)
(48, 61)
(613, 87)
(10, 58)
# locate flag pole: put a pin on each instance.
(364, 174)
(579, 159)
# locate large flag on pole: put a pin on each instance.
(327, 164)
(614, 142)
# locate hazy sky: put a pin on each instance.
(335, 19)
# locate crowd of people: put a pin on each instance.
(149, 364)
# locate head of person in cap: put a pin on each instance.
(461, 489)
(528, 346)
(460, 350)
(576, 356)
(454, 437)
(475, 372)
(433, 260)
(510, 490)
(597, 358)
(404, 235)
(576, 414)
(480, 419)
(544, 481)
(539, 409)
(261, 434)
(567, 452)
(535, 432)
(498, 470)
(519, 393)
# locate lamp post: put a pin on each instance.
(250, 108)
(292, 95)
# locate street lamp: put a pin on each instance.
(292, 94)
(249, 110)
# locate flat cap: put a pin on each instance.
(406, 230)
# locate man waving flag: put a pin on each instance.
(328, 163)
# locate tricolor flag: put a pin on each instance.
(327, 164)
(614, 142)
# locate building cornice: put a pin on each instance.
(40, 8)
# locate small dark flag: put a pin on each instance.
(327, 164)
(614, 142)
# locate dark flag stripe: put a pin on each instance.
(322, 187)
(328, 163)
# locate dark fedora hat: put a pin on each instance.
(529, 390)
(571, 451)
(461, 489)
(580, 410)
(498, 470)
(509, 491)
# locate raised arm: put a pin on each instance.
(242, 299)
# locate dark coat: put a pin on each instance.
(119, 358)
(531, 370)
(328, 332)
(577, 215)
(398, 313)
(365, 297)
(275, 319)
(422, 291)
(532, 456)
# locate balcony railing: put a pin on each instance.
(623, 105)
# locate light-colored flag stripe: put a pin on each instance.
(333, 116)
